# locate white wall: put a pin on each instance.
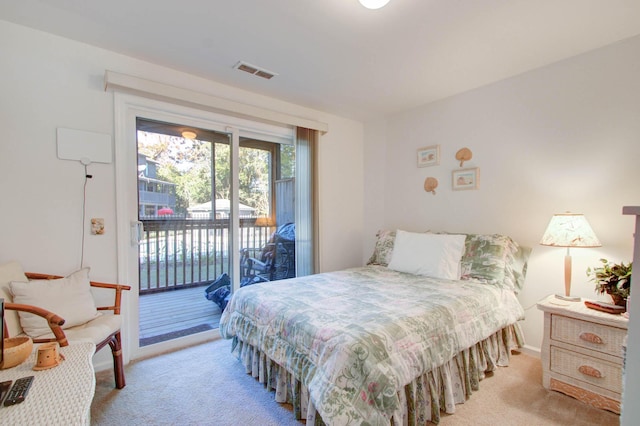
(49, 82)
(563, 137)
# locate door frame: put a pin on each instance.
(126, 108)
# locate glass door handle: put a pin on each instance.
(137, 231)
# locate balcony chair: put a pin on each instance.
(276, 261)
(101, 329)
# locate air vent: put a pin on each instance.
(252, 69)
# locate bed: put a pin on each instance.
(384, 343)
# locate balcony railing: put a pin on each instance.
(180, 253)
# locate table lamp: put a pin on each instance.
(569, 230)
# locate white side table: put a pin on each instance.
(58, 396)
(582, 352)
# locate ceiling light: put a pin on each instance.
(189, 135)
(373, 4)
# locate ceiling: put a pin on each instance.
(335, 55)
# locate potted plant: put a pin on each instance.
(613, 279)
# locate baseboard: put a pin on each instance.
(530, 350)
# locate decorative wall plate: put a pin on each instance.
(430, 185)
(463, 154)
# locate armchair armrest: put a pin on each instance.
(118, 288)
(55, 321)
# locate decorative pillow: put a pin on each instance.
(516, 271)
(495, 259)
(11, 271)
(383, 249)
(434, 255)
(68, 297)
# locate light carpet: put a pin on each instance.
(207, 385)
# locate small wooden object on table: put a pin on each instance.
(582, 353)
(604, 307)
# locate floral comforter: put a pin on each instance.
(356, 337)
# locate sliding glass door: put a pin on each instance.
(185, 260)
(214, 208)
(184, 207)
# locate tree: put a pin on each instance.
(187, 163)
(184, 162)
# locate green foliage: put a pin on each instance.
(287, 161)
(223, 171)
(187, 163)
(612, 278)
(254, 179)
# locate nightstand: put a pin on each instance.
(582, 352)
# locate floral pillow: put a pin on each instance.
(516, 272)
(383, 249)
(495, 259)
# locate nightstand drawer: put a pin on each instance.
(588, 335)
(587, 369)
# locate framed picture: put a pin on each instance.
(429, 156)
(465, 179)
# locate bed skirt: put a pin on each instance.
(422, 400)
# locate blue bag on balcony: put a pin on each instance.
(221, 281)
(219, 291)
(221, 296)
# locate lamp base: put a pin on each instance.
(568, 298)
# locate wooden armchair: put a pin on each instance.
(103, 330)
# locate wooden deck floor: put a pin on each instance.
(176, 313)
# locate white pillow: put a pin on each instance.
(68, 297)
(433, 255)
(11, 271)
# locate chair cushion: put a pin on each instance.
(68, 297)
(94, 331)
(9, 272)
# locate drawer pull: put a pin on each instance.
(591, 338)
(590, 371)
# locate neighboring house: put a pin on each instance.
(154, 194)
(203, 211)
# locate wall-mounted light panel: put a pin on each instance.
(86, 147)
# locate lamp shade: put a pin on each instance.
(569, 230)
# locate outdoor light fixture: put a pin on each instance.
(189, 135)
(264, 221)
(569, 230)
(373, 4)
